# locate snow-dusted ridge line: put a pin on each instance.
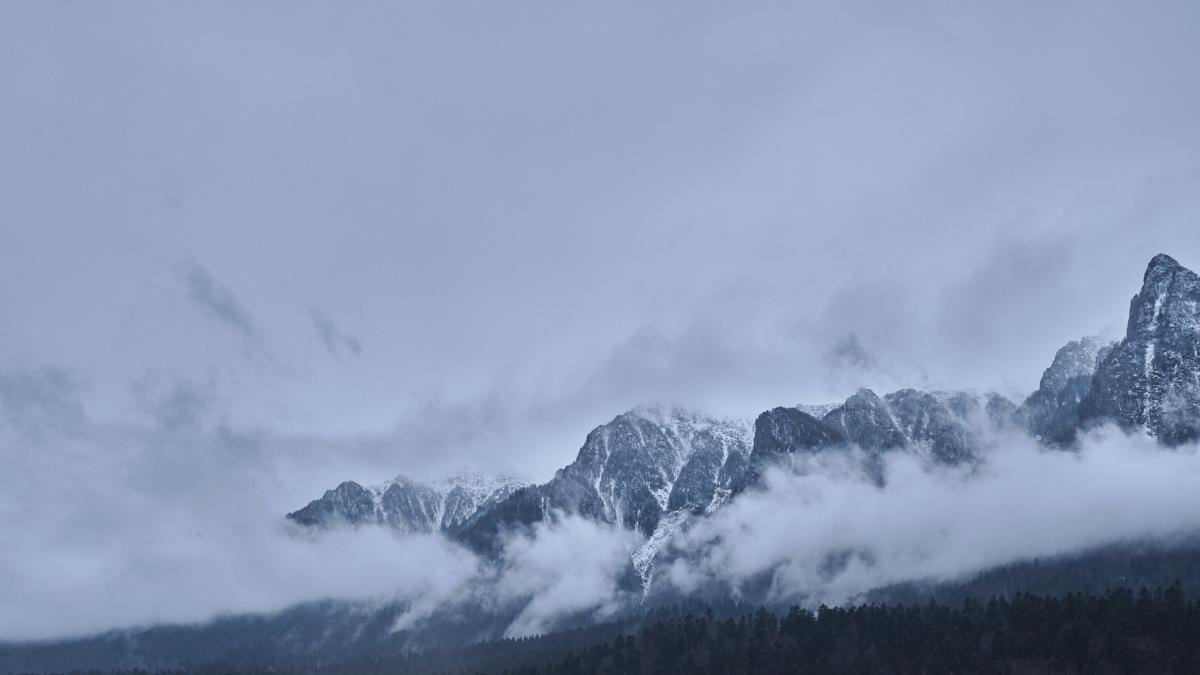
(409, 506)
(655, 466)
(818, 410)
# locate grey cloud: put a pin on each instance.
(535, 234)
(544, 569)
(191, 522)
(176, 403)
(849, 365)
(931, 524)
(217, 301)
(332, 336)
(40, 401)
(854, 152)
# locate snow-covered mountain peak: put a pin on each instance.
(1151, 379)
(684, 423)
(1161, 265)
(477, 483)
(1074, 359)
(817, 410)
(408, 505)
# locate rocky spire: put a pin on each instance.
(1151, 379)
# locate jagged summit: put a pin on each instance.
(1151, 379)
(473, 480)
(1077, 358)
(1166, 302)
(1052, 413)
(1161, 264)
(407, 505)
(657, 411)
(865, 420)
(817, 410)
(655, 466)
(642, 464)
(947, 425)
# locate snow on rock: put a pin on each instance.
(1151, 379)
(643, 468)
(408, 506)
(654, 467)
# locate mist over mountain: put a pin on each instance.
(653, 470)
(1151, 379)
(339, 335)
(663, 504)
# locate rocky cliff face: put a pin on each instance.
(946, 426)
(1151, 378)
(652, 468)
(408, 506)
(1052, 413)
(792, 430)
(633, 471)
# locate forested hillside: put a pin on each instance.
(1120, 631)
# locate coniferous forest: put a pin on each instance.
(1120, 631)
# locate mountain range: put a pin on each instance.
(656, 469)
(651, 468)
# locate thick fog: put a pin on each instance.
(250, 251)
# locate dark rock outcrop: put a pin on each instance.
(1151, 378)
(632, 471)
(1052, 413)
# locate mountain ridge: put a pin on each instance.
(407, 505)
(1151, 378)
(654, 466)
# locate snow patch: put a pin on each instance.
(643, 557)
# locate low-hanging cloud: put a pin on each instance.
(124, 526)
(803, 173)
(184, 572)
(179, 520)
(563, 569)
(937, 523)
(38, 401)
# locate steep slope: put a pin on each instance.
(947, 426)
(408, 506)
(779, 432)
(1052, 413)
(641, 466)
(791, 430)
(1151, 379)
(653, 467)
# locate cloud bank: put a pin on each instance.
(125, 527)
(937, 523)
(180, 521)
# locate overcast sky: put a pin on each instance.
(250, 250)
(402, 237)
